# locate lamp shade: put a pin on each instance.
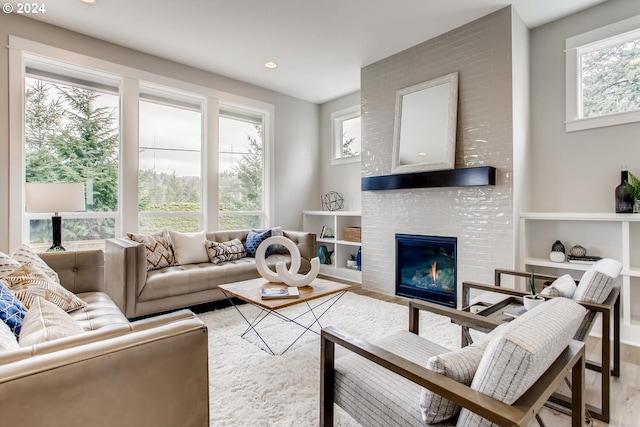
(54, 197)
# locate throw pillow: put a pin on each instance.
(563, 286)
(7, 265)
(189, 248)
(597, 282)
(25, 255)
(459, 365)
(276, 248)
(253, 241)
(12, 311)
(157, 247)
(225, 251)
(8, 340)
(29, 283)
(46, 321)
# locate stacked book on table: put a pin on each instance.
(587, 259)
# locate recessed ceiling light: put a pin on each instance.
(88, 1)
(271, 64)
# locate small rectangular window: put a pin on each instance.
(603, 76)
(346, 140)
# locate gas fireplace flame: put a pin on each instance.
(434, 271)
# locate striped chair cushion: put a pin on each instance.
(373, 395)
(595, 286)
(515, 359)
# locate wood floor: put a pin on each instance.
(625, 390)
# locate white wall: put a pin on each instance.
(575, 171)
(343, 178)
(296, 152)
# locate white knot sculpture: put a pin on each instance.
(290, 276)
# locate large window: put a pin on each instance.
(241, 170)
(346, 142)
(152, 152)
(170, 163)
(603, 76)
(72, 135)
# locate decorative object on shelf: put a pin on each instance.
(327, 233)
(633, 188)
(332, 201)
(290, 276)
(352, 234)
(359, 258)
(323, 254)
(333, 257)
(330, 257)
(624, 200)
(352, 262)
(557, 252)
(530, 301)
(577, 251)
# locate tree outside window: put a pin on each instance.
(346, 141)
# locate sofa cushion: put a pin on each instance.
(29, 283)
(225, 251)
(12, 311)
(45, 321)
(563, 286)
(189, 248)
(515, 359)
(27, 256)
(8, 340)
(253, 241)
(99, 312)
(7, 265)
(157, 248)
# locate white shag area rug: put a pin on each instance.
(249, 387)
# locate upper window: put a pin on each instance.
(603, 76)
(72, 134)
(170, 161)
(241, 170)
(346, 141)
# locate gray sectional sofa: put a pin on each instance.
(139, 292)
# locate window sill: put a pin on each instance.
(602, 121)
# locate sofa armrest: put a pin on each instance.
(125, 272)
(155, 376)
(305, 241)
(79, 271)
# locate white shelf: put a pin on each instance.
(607, 235)
(314, 221)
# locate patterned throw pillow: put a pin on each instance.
(12, 311)
(7, 265)
(46, 321)
(563, 286)
(276, 248)
(225, 251)
(157, 247)
(253, 241)
(29, 283)
(25, 255)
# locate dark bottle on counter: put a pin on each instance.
(624, 201)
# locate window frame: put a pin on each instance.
(337, 119)
(590, 41)
(131, 78)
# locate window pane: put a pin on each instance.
(351, 137)
(241, 171)
(611, 79)
(72, 135)
(239, 222)
(170, 165)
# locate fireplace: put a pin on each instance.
(426, 268)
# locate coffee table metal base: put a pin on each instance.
(317, 311)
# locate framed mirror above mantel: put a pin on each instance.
(424, 135)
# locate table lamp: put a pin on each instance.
(55, 197)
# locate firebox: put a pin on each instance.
(426, 268)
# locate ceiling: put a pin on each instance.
(319, 45)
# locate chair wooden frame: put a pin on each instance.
(610, 310)
(571, 360)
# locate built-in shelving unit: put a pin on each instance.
(314, 221)
(614, 236)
